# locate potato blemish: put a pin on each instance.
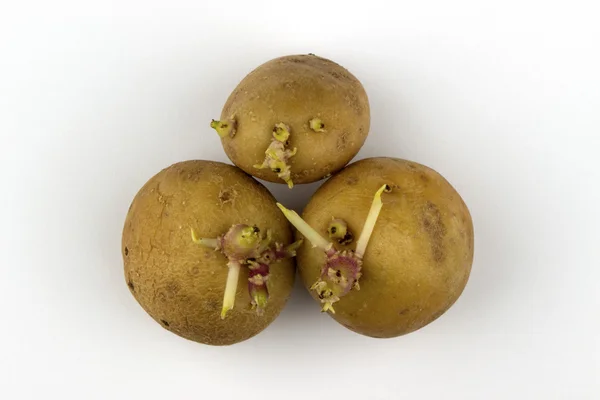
(227, 196)
(436, 230)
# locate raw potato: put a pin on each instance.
(298, 91)
(419, 256)
(180, 283)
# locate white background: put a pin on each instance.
(502, 98)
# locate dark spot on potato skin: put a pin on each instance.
(435, 229)
(172, 289)
(131, 285)
(225, 196)
(291, 85)
(404, 311)
(187, 174)
(424, 178)
(340, 75)
(352, 180)
(126, 251)
(342, 141)
(354, 103)
(212, 304)
(165, 323)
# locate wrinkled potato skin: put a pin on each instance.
(293, 90)
(418, 260)
(180, 283)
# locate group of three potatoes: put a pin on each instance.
(384, 245)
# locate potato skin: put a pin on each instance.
(418, 260)
(180, 283)
(293, 90)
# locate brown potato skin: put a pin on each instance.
(180, 283)
(418, 260)
(293, 90)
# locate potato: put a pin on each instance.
(311, 114)
(180, 283)
(417, 260)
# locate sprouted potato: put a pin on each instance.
(294, 119)
(207, 253)
(414, 250)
